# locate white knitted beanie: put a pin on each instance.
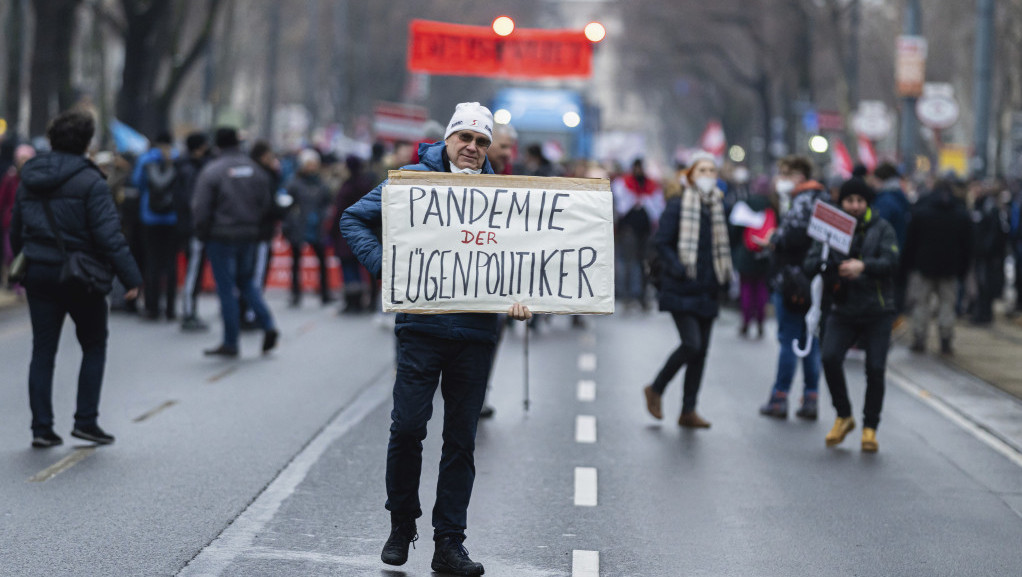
(471, 116)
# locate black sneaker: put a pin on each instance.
(270, 340)
(402, 534)
(46, 440)
(92, 433)
(222, 351)
(451, 557)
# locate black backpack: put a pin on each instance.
(162, 186)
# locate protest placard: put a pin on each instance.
(479, 243)
(832, 226)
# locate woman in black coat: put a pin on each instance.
(75, 193)
(692, 246)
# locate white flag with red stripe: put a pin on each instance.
(841, 159)
(713, 140)
(867, 154)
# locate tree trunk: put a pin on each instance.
(51, 90)
(15, 51)
(135, 100)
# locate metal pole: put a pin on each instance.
(984, 76)
(909, 123)
(525, 402)
(271, 70)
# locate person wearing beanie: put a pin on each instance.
(862, 311)
(453, 351)
(694, 252)
(233, 199)
(157, 179)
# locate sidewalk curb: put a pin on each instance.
(978, 427)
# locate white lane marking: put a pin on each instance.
(62, 465)
(585, 429)
(587, 362)
(585, 564)
(955, 417)
(586, 391)
(237, 539)
(585, 486)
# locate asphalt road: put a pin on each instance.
(274, 466)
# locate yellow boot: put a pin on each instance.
(842, 426)
(869, 440)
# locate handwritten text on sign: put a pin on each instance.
(460, 243)
(832, 226)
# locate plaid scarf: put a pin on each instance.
(688, 233)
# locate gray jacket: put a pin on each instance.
(233, 197)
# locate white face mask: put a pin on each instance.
(784, 186)
(457, 170)
(706, 184)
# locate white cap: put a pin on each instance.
(471, 116)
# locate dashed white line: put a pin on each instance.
(587, 362)
(585, 564)
(585, 429)
(585, 487)
(586, 391)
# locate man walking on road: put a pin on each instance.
(189, 168)
(452, 350)
(232, 199)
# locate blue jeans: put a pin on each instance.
(791, 326)
(233, 265)
(461, 369)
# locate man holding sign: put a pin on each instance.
(452, 350)
(862, 284)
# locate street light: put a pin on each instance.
(571, 119)
(503, 25)
(595, 32)
(819, 144)
(502, 116)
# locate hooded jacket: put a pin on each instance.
(357, 224)
(872, 293)
(83, 210)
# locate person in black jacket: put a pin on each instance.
(75, 192)
(938, 248)
(863, 309)
(188, 169)
(692, 245)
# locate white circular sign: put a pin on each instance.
(872, 125)
(937, 113)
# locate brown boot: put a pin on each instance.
(653, 402)
(842, 426)
(692, 420)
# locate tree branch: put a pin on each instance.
(181, 69)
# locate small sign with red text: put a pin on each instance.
(832, 226)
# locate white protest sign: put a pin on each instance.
(479, 243)
(832, 226)
(743, 215)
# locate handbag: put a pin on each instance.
(81, 270)
(18, 267)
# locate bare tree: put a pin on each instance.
(51, 89)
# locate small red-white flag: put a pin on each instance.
(841, 160)
(713, 140)
(867, 154)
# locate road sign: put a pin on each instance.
(910, 66)
(832, 226)
(938, 109)
(872, 120)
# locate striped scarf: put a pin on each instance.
(688, 233)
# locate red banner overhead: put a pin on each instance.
(460, 50)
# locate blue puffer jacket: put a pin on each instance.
(357, 225)
(141, 182)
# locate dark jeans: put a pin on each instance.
(791, 327)
(160, 269)
(695, 342)
(48, 303)
(874, 334)
(296, 270)
(461, 368)
(233, 265)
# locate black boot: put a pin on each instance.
(451, 557)
(402, 534)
